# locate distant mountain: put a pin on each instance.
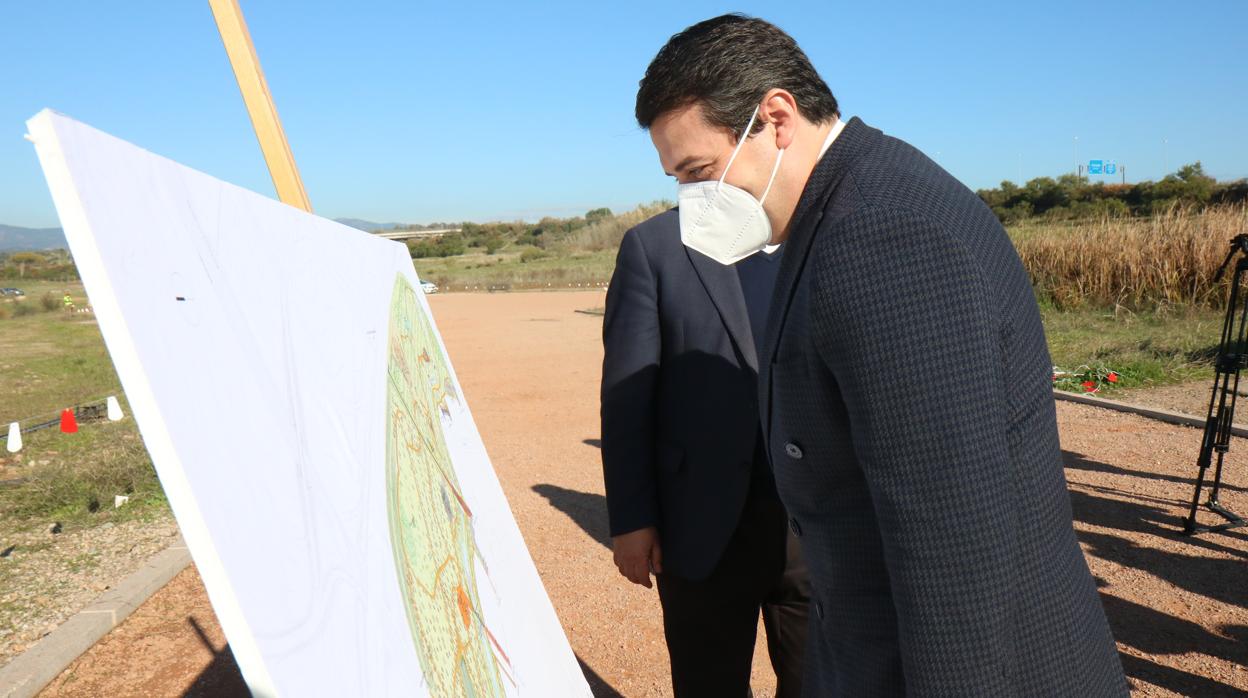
(13, 238)
(366, 226)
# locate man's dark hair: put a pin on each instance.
(727, 64)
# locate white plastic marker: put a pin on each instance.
(15, 438)
(114, 410)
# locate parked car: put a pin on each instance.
(428, 287)
(11, 292)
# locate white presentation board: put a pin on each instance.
(309, 432)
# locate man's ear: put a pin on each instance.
(779, 109)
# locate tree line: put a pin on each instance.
(1070, 197)
(48, 264)
(494, 236)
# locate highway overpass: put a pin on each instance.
(409, 234)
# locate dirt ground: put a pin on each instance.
(529, 364)
(49, 577)
(1191, 398)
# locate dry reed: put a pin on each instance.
(1166, 260)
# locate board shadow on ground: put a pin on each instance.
(597, 684)
(221, 678)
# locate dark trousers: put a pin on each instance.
(711, 624)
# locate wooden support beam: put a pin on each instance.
(260, 107)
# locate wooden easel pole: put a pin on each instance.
(260, 107)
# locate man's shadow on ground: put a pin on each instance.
(1127, 510)
(587, 510)
(1147, 629)
(1140, 627)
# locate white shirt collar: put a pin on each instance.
(827, 142)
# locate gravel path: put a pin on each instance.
(1178, 605)
(48, 577)
(530, 365)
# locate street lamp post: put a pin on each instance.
(1078, 167)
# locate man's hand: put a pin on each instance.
(637, 554)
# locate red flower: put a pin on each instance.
(1112, 377)
(1089, 386)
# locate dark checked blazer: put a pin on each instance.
(679, 397)
(909, 417)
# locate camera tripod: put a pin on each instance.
(1232, 358)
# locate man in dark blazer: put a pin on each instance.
(689, 490)
(905, 389)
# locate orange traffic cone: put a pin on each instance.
(69, 424)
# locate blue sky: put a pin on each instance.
(416, 112)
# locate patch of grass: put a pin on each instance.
(72, 478)
(29, 548)
(1145, 349)
(82, 562)
(533, 254)
(50, 361)
(509, 266)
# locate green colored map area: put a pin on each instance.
(430, 523)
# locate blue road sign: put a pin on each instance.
(1095, 166)
(1111, 167)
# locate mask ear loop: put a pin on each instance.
(774, 170)
(744, 134)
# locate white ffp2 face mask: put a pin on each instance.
(724, 222)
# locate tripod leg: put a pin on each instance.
(1229, 417)
(1212, 437)
(1218, 425)
(1206, 450)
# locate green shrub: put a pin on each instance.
(532, 254)
(449, 245)
(1071, 196)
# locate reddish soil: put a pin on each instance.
(1190, 398)
(529, 365)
